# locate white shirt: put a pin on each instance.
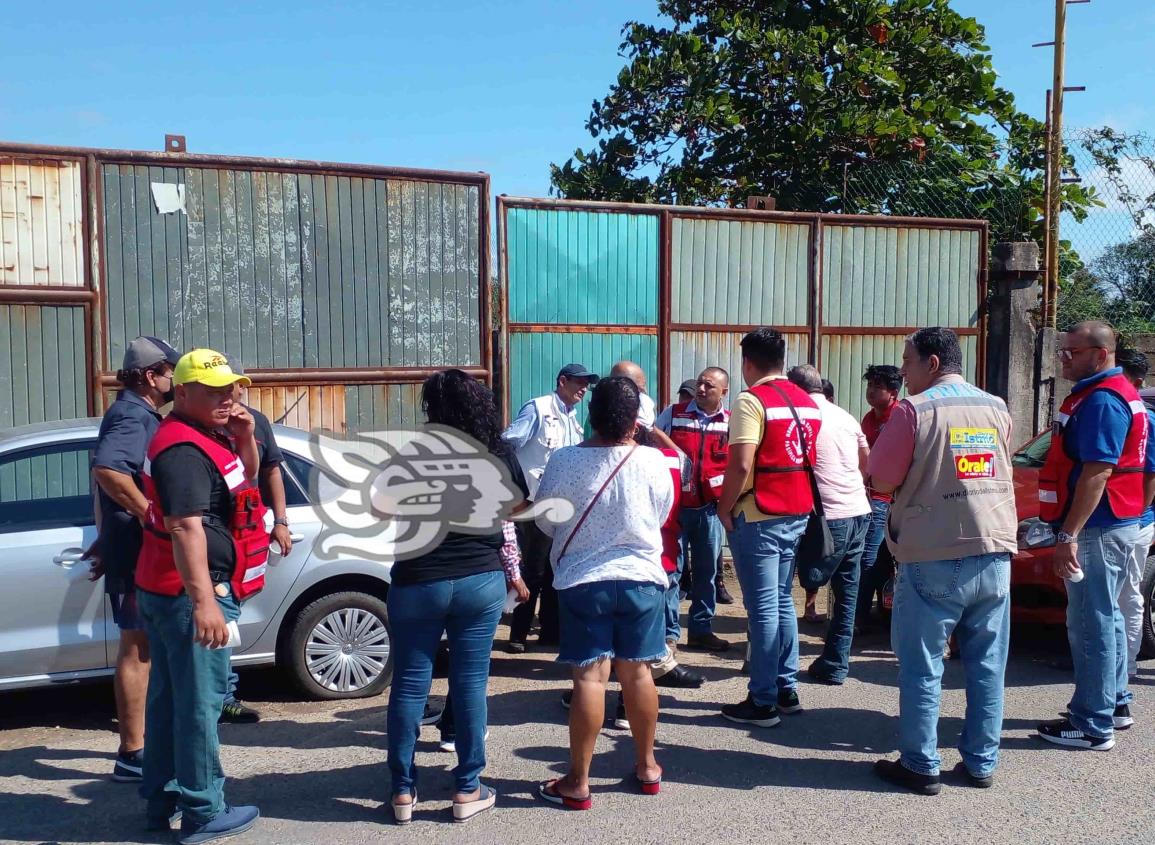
(647, 410)
(836, 462)
(621, 539)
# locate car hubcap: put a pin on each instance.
(347, 650)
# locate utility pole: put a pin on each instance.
(1055, 164)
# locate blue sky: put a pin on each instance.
(498, 86)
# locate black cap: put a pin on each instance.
(690, 386)
(577, 371)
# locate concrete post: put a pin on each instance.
(1013, 349)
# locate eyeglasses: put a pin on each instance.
(1069, 352)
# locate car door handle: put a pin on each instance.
(69, 558)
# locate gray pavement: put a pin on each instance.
(317, 770)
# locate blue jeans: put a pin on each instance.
(871, 580)
(466, 609)
(186, 688)
(764, 560)
(849, 539)
(701, 545)
(971, 597)
(1096, 629)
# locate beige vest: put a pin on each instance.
(958, 498)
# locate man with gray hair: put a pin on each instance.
(840, 473)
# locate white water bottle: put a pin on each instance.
(1076, 576)
(510, 601)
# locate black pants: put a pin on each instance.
(538, 577)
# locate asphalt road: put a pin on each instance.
(317, 770)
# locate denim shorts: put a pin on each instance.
(622, 620)
(124, 611)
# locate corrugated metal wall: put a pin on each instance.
(754, 273)
(536, 357)
(692, 352)
(41, 363)
(580, 267)
(295, 270)
(891, 276)
(41, 228)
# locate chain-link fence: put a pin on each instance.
(1111, 271)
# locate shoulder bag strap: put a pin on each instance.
(594, 500)
(805, 449)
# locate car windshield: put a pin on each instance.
(1034, 454)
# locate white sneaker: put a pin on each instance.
(449, 744)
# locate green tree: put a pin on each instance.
(793, 97)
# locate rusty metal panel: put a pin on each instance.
(844, 359)
(310, 408)
(41, 223)
(726, 272)
(42, 375)
(582, 267)
(692, 352)
(296, 270)
(900, 276)
(536, 357)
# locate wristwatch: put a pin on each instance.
(284, 521)
(1062, 537)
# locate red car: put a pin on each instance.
(1037, 594)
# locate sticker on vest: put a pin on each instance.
(717, 480)
(235, 475)
(973, 438)
(977, 465)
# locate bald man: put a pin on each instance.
(1091, 490)
(647, 411)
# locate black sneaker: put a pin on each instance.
(978, 783)
(515, 646)
(620, 720)
(819, 677)
(788, 701)
(748, 713)
(1123, 718)
(894, 772)
(431, 715)
(1062, 732)
(567, 699)
(128, 766)
(236, 713)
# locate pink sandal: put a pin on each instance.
(548, 791)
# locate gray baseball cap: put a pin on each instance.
(145, 352)
(690, 386)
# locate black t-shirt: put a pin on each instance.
(267, 449)
(460, 555)
(188, 482)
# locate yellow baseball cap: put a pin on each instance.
(207, 367)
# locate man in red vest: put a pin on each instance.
(765, 501)
(1091, 491)
(205, 549)
(700, 429)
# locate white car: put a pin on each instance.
(324, 621)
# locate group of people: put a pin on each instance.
(784, 472)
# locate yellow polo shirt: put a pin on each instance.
(747, 423)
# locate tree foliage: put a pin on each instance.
(791, 98)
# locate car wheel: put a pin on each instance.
(340, 647)
(1147, 647)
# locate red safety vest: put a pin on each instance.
(156, 569)
(671, 528)
(708, 445)
(1125, 486)
(781, 483)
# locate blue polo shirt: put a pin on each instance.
(127, 427)
(1096, 434)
